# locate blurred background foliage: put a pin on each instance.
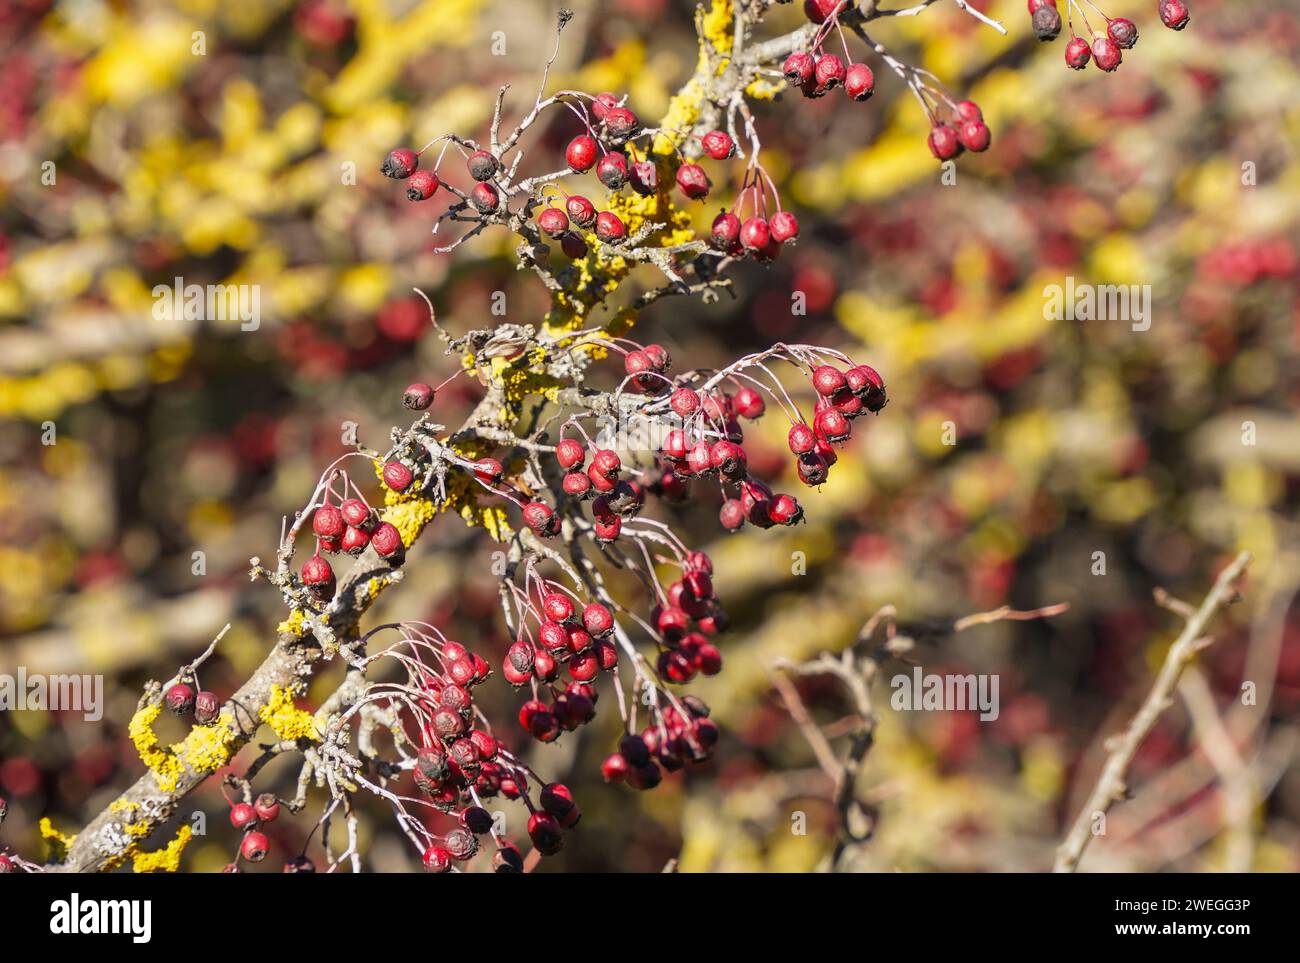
(240, 143)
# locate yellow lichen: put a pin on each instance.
(167, 859)
(409, 514)
(205, 749)
(59, 843)
(208, 748)
(163, 763)
(293, 625)
(286, 720)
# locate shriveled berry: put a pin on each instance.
(206, 707)
(785, 510)
(725, 231)
(799, 68)
(576, 484)
(553, 222)
(1106, 54)
(602, 104)
(387, 540)
(355, 512)
(318, 576)
(610, 228)
(541, 519)
(327, 522)
(802, 438)
(612, 170)
(397, 476)
(485, 197)
(558, 607)
(477, 820)
(400, 163)
(828, 379)
(482, 165)
(1174, 14)
(1123, 31)
(570, 453)
(580, 210)
(718, 144)
(418, 396)
(692, 181)
(597, 619)
(267, 807)
(621, 122)
(1047, 23)
(421, 185)
(830, 71)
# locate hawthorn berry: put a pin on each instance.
(819, 11)
(832, 425)
(1106, 54)
(476, 819)
(620, 122)
(573, 246)
(860, 82)
(507, 859)
(614, 768)
(553, 222)
(718, 144)
(684, 402)
(206, 707)
(581, 153)
(545, 832)
(754, 233)
(610, 229)
(267, 807)
(725, 231)
(749, 403)
(541, 519)
(1123, 31)
(355, 512)
(658, 356)
(354, 540)
(644, 177)
(944, 142)
(576, 484)
(255, 846)
(1047, 22)
(1077, 53)
(813, 469)
(830, 72)
(421, 185)
(397, 476)
(570, 453)
(437, 859)
(327, 522)
(974, 135)
(387, 540)
(558, 607)
(597, 619)
(400, 163)
(783, 227)
(802, 438)
(488, 470)
(485, 197)
(692, 181)
(828, 379)
(785, 510)
(606, 463)
(243, 815)
(602, 104)
(1174, 14)
(482, 165)
(799, 68)
(581, 211)
(969, 110)
(417, 397)
(612, 170)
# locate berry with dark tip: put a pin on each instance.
(255, 847)
(417, 397)
(1106, 54)
(1077, 53)
(1174, 14)
(553, 222)
(387, 540)
(692, 181)
(421, 185)
(610, 228)
(718, 144)
(206, 707)
(580, 210)
(485, 197)
(783, 227)
(482, 166)
(400, 163)
(830, 72)
(799, 68)
(612, 170)
(944, 142)
(318, 576)
(860, 82)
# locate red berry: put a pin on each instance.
(974, 135)
(799, 68)
(541, 519)
(620, 122)
(969, 110)
(1106, 53)
(728, 459)
(692, 181)
(827, 380)
(318, 576)
(944, 143)
(581, 153)
(802, 438)
(749, 403)
(644, 177)
(676, 445)
(206, 707)
(732, 514)
(1077, 53)
(1174, 14)
(612, 170)
(397, 476)
(242, 815)
(386, 540)
(1123, 31)
(830, 71)
(355, 512)
(558, 608)
(597, 619)
(614, 768)
(1047, 22)
(553, 222)
(485, 197)
(581, 211)
(421, 185)
(576, 484)
(255, 847)
(437, 859)
(754, 233)
(813, 470)
(832, 425)
(726, 230)
(488, 470)
(658, 356)
(267, 807)
(418, 396)
(609, 228)
(570, 453)
(718, 144)
(606, 463)
(684, 402)
(573, 246)
(482, 165)
(819, 11)
(860, 82)
(354, 540)
(545, 832)
(783, 227)
(400, 163)
(602, 104)
(785, 510)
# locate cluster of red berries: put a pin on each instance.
(182, 699)
(817, 74)
(687, 618)
(249, 818)
(965, 131)
(577, 640)
(350, 527)
(1105, 49)
(682, 733)
(613, 498)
